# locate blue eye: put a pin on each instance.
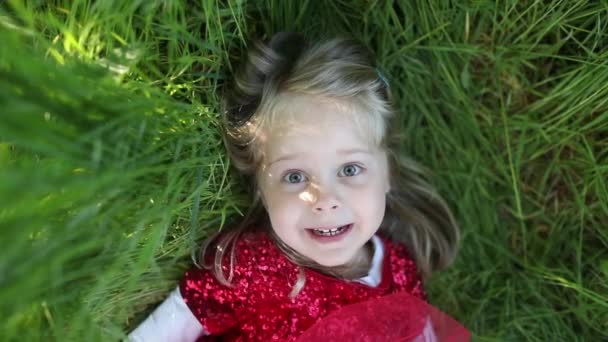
(294, 177)
(350, 170)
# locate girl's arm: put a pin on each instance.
(171, 321)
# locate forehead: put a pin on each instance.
(301, 118)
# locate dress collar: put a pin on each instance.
(374, 276)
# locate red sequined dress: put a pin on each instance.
(258, 306)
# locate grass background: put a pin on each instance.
(112, 168)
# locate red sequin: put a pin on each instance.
(258, 307)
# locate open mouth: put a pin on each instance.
(330, 232)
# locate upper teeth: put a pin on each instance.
(327, 230)
(330, 232)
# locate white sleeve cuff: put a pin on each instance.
(171, 321)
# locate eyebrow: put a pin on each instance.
(343, 152)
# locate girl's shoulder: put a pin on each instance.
(258, 255)
(255, 240)
(402, 267)
(395, 248)
(254, 254)
(257, 271)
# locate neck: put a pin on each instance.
(361, 263)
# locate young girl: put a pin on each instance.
(338, 221)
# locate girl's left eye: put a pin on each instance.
(294, 177)
(350, 170)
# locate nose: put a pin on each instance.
(326, 200)
(326, 206)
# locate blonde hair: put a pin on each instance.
(342, 69)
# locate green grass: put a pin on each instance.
(112, 168)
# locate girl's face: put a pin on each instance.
(322, 182)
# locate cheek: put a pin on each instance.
(274, 199)
(370, 200)
(367, 186)
(281, 207)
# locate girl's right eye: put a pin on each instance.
(294, 177)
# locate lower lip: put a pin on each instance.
(327, 239)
